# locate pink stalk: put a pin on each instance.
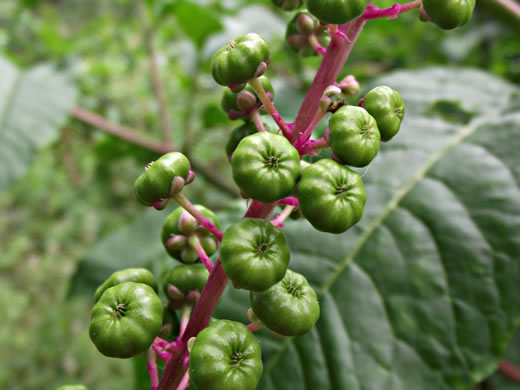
(152, 369)
(257, 119)
(185, 203)
(308, 131)
(269, 106)
(280, 218)
(290, 201)
(255, 326)
(203, 256)
(337, 54)
(311, 146)
(313, 41)
(185, 381)
(374, 12)
(185, 318)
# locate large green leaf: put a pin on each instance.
(33, 106)
(422, 294)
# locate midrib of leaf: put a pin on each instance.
(405, 188)
(10, 101)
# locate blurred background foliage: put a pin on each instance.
(79, 188)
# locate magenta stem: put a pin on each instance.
(308, 131)
(374, 12)
(313, 41)
(280, 219)
(185, 318)
(257, 119)
(269, 106)
(290, 201)
(152, 369)
(203, 256)
(185, 203)
(338, 52)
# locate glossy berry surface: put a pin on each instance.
(138, 275)
(290, 307)
(187, 278)
(155, 183)
(238, 61)
(354, 136)
(265, 166)
(332, 196)
(336, 11)
(225, 355)
(449, 14)
(126, 319)
(254, 254)
(387, 107)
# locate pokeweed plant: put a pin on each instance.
(271, 169)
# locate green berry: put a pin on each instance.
(238, 61)
(354, 136)
(336, 11)
(126, 320)
(138, 275)
(155, 184)
(226, 356)
(187, 278)
(387, 107)
(332, 196)
(449, 14)
(265, 166)
(289, 308)
(254, 254)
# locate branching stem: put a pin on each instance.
(185, 203)
(269, 106)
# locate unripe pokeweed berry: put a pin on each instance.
(126, 320)
(336, 11)
(265, 166)
(225, 355)
(288, 5)
(189, 255)
(138, 275)
(238, 61)
(449, 14)
(155, 184)
(331, 196)
(354, 136)
(387, 107)
(186, 278)
(289, 308)
(171, 234)
(229, 100)
(238, 134)
(254, 254)
(297, 34)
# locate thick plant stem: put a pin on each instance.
(259, 210)
(184, 202)
(257, 119)
(199, 320)
(337, 54)
(510, 370)
(269, 106)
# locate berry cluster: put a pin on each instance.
(272, 167)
